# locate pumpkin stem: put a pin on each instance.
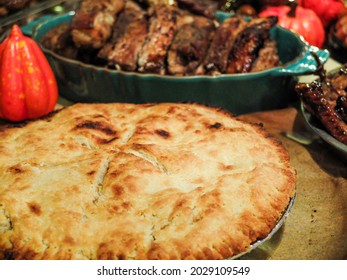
(292, 4)
(16, 31)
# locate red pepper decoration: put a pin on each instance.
(300, 20)
(28, 88)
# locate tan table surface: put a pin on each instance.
(316, 228)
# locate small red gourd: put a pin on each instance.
(28, 88)
(327, 10)
(300, 20)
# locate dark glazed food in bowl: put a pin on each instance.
(238, 93)
(324, 107)
(339, 148)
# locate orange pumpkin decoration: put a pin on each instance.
(300, 20)
(28, 88)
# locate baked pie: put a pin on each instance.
(145, 181)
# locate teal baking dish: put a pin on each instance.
(237, 93)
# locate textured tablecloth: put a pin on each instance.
(316, 228)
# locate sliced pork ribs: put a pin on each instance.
(190, 46)
(248, 44)
(93, 22)
(326, 99)
(207, 8)
(129, 33)
(216, 60)
(162, 27)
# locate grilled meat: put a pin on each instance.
(14, 4)
(152, 3)
(157, 36)
(217, 56)
(129, 33)
(316, 103)
(326, 99)
(248, 43)
(341, 107)
(338, 92)
(93, 21)
(59, 40)
(162, 27)
(207, 8)
(189, 46)
(267, 57)
(183, 17)
(339, 82)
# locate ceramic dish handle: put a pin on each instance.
(307, 64)
(28, 28)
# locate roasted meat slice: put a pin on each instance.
(183, 17)
(189, 46)
(152, 3)
(267, 57)
(162, 27)
(336, 85)
(315, 102)
(59, 41)
(207, 8)
(341, 107)
(216, 60)
(339, 81)
(128, 36)
(93, 22)
(14, 4)
(248, 43)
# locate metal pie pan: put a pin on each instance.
(278, 225)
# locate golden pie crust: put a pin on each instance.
(149, 181)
